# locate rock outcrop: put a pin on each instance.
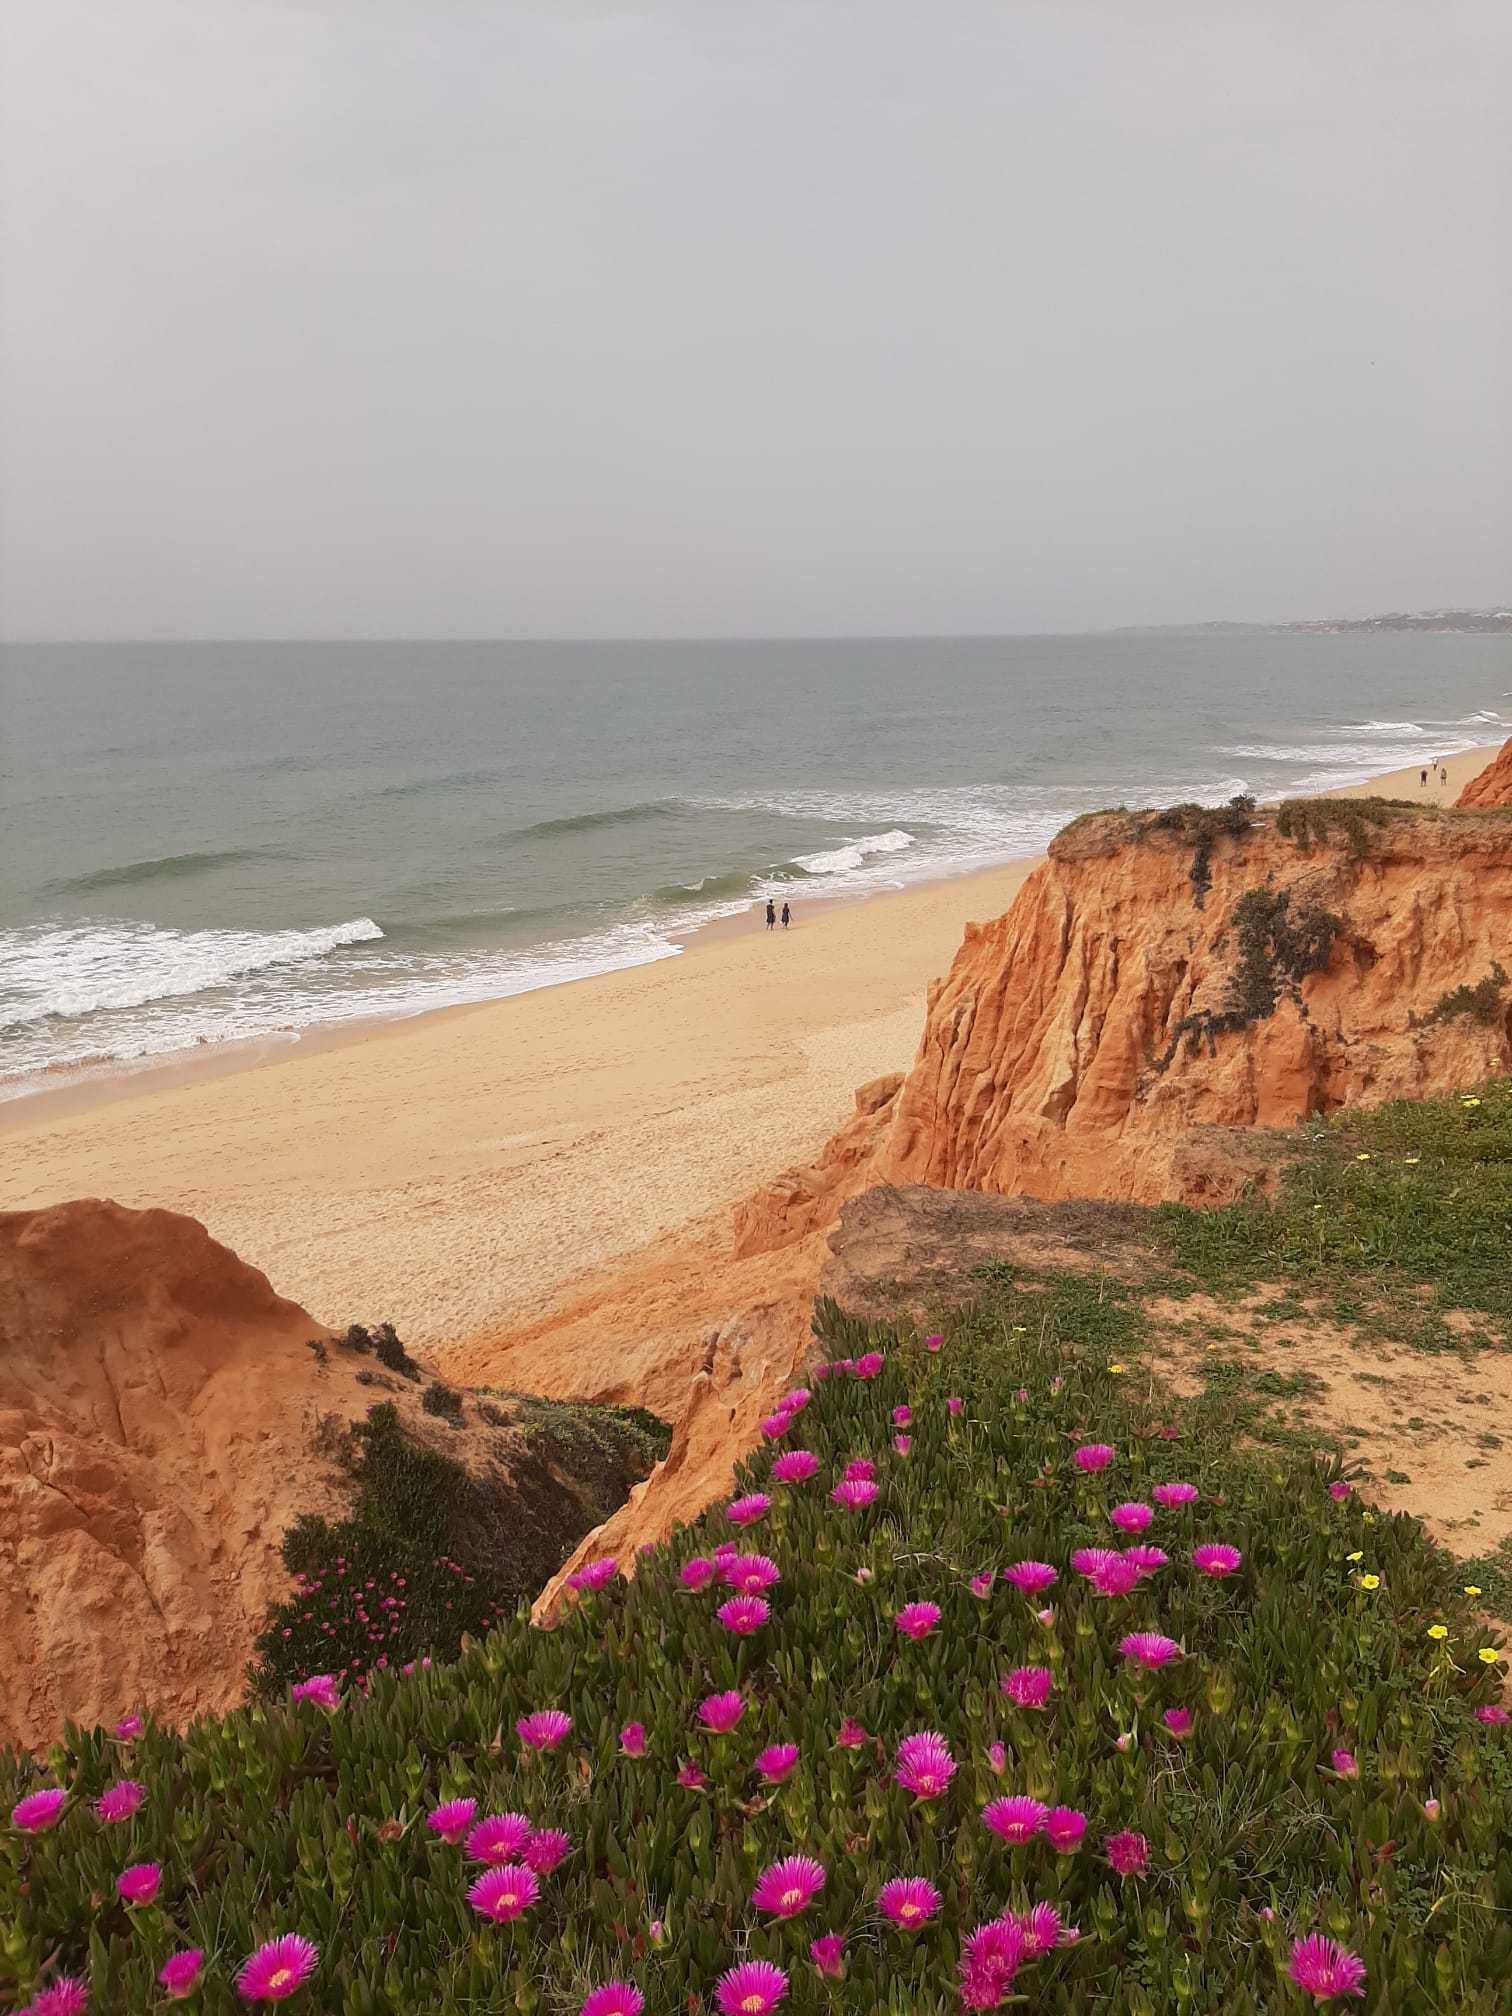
(1164, 984)
(1493, 785)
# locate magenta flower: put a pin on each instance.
(902, 1416)
(543, 1730)
(691, 1778)
(1015, 1820)
(39, 1810)
(775, 1426)
(869, 1365)
(852, 1735)
(180, 1972)
(749, 1574)
(1064, 1828)
(277, 1968)
(917, 1620)
(902, 1444)
(1345, 1764)
(320, 1688)
(720, 1712)
(933, 1343)
(633, 1739)
(860, 1469)
(1031, 1578)
(785, 1888)
(776, 1762)
(954, 1404)
(751, 1989)
(594, 1574)
(119, 1801)
(503, 1894)
(139, 1885)
(698, 1573)
(1109, 1573)
(1131, 1516)
(909, 1901)
(68, 1996)
(1027, 1686)
(499, 1838)
(828, 1955)
(990, 1958)
(796, 1401)
(925, 1766)
(547, 1847)
(1339, 1490)
(1093, 1456)
(744, 1614)
(1145, 1559)
(1149, 1649)
(128, 1728)
(981, 1585)
(1180, 1722)
(854, 1492)
(615, 1998)
(1174, 1494)
(997, 1758)
(452, 1820)
(1216, 1559)
(795, 1466)
(746, 1511)
(1493, 1712)
(1323, 1969)
(1128, 1854)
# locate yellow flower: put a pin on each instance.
(1472, 1589)
(1469, 1102)
(1357, 1556)
(1413, 1161)
(1367, 1518)
(1438, 1630)
(1362, 1158)
(1370, 1581)
(1488, 1655)
(1118, 1368)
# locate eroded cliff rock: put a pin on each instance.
(1493, 786)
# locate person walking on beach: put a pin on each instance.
(771, 915)
(787, 916)
(1422, 786)
(1443, 773)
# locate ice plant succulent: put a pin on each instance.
(1015, 1820)
(321, 1688)
(1093, 1456)
(594, 1575)
(854, 1493)
(749, 1574)
(795, 1466)
(119, 1801)
(1131, 1516)
(851, 1735)
(917, 1620)
(614, 1998)
(785, 1888)
(452, 1819)
(751, 1989)
(504, 1894)
(720, 1712)
(546, 1848)
(925, 1766)
(39, 1810)
(1175, 1493)
(1064, 1828)
(697, 1574)
(1027, 1686)
(1216, 1559)
(632, 1739)
(909, 1901)
(1150, 1649)
(128, 1728)
(68, 1996)
(744, 1615)
(828, 1955)
(1128, 1853)
(499, 1838)
(544, 1729)
(1324, 1969)
(277, 1969)
(1031, 1578)
(748, 1510)
(139, 1884)
(180, 1972)
(990, 1958)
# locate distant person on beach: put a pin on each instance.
(787, 916)
(1422, 786)
(1443, 773)
(771, 915)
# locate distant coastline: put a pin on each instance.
(1495, 622)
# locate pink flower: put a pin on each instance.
(776, 1426)
(277, 1968)
(854, 1493)
(179, 1974)
(1093, 1455)
(796, 1401)
(1431, 1809)
(615, 1998)
(1149, 1649)
(1015, 1820)
(120, 1801)
(749, 1574)
(1128, 1854)
(543, 1730)
(743, 1614)
(320, 1688)
(691, 1778)
(990, 1958)
(1172, 1495)
(1064, 1828)
(1216, 1559)
(594, 1574)
(933, 1343)
(917, 1620)
(546, 1848)
(997, 1757)
(869, 1365)
(499, 1838)
(452, 1820)
(851, 1736)
(776, 1762)
(1345, 1764)
(1031, 1578)
(698, 1573)
(1339, 1490)
(1493, 1712)
(902, 1416)
(925, 1766)
(1145, 1559)
(1180, 1722)
(909, 1901)
(720, 1712)
(795, 1466)
(981, 1585)
(39, 1810)
(751, 1989)
(1322, 1968)
(503, 1894)
(746, 1511)
(68, 1996)
(902, 1444)
(633, 1739)
(1110, 1574)
(954, 1404)
(128, 1728)
(828, 1955)
(1131, 1516)
(785, 1888)
(860, 1468)
(1027, 1686)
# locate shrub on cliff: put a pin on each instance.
(988, 1682)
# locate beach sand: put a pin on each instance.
(454, 1173)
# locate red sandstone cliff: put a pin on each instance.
(1493, 786)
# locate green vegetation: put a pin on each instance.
(1277, 947)
(1315, 822)
(1481, 1003)
(1202, 826)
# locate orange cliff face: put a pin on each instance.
(1493, 786)
(1148, 993)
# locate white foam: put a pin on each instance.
(852, 853)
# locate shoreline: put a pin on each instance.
(452, 1170)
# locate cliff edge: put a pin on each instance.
(1493, 786)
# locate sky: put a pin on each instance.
(367, 318)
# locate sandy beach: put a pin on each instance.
(453, 1173)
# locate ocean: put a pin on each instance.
(201, 843)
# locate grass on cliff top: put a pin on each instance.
(1203, 1855)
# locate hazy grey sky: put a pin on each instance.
(436, 317)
